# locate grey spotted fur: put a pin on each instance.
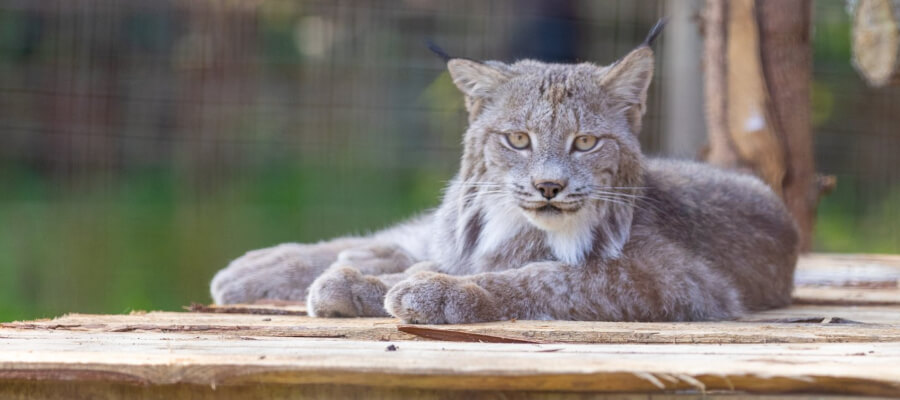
(629, 238)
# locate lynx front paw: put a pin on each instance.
(345, 292)
(433, 298)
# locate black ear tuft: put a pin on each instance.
(439, 51)
(655, 31)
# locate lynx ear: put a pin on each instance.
(475, 79)
(628, 79)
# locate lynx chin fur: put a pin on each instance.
(554, 214)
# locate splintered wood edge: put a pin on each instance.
(457, 335)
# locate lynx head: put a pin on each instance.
(557, 143)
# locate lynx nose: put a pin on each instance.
(548, 189)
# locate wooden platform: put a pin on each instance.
(842, 337)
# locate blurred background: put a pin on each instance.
(144, 144)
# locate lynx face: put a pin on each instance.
(552, 154)
(558, 143)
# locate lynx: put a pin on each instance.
(554, 214)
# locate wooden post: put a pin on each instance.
(758, 64)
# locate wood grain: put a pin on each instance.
(173, 358)
(872, 324)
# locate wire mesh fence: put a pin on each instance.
(144, 144)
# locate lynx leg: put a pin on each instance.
(281, 272)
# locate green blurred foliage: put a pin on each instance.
(851, 123)
(151, 242)
(846, 225)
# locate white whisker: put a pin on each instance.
(614, 201)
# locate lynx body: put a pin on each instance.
(554, 214)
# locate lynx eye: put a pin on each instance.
(585, 142)
(518, 140)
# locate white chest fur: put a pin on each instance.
(569, 237)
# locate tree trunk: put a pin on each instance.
(758, 64)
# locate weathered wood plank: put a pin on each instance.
(827, 314)
(225, 324)
(847, 279)
(843, 296)
(874, 324)
(178, 358)
(88, 390)
(849, 270)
